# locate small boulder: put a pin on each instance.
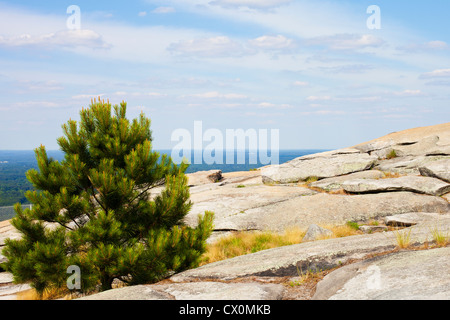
(204, 177)
(316, 232)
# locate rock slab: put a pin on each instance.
(413, 275)
(321, 166)
(418, 184)
(439, 169)
(335, 183)
(325, 209)
(194, 291)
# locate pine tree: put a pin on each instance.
(95, 210)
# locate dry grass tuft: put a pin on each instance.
(440, 239)
(403, 238)
(242, 243)
(392, 175)
(306, 277)
(49, 294)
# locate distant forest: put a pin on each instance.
(13, 181)
(15, 164)
(13, 184)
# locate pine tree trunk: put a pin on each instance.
(106, 283)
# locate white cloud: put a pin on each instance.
(301, 84)
(355, 99)
(36, 104)
(142, 14)
(269, 105)
(348, 69)
(347, 41)
(428, 46)
(40, 86)
(68, 38)
(87, 96)
(272, 42)
(323, 112)
(319, 98)
(218, 95)
(223, 46)
(163, 10)
(437, 45)
(219, 46)
(439, 73)
(408, 93)
(149, 94)
(252, 4)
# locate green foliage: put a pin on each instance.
(312, 179)
(391, 155)
(98, 203)
(353, 225)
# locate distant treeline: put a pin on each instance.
(15, 164)
(13, 184)
(13, 181)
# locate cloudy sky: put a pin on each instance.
(312, 69)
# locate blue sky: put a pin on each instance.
(311, 69)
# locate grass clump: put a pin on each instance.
(403, 238)
(391, 175)
(391, 155)
(352, 225)
(242, 243)
(311, 179)
(440, 239)
(304, 277)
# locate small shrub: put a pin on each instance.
(240, 186)
(311, 179)
(391, 155)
